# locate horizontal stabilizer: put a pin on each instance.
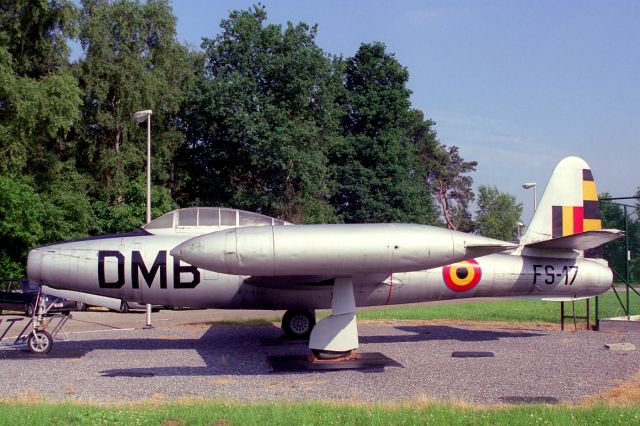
(479, 250)
(583, 241)
(555, 298)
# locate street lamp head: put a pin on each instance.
(141, 116)
(528, 185)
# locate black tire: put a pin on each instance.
(29, 310)
(41, 343)
(124, 307)
(298, 324)
(328, 355)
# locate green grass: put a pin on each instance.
(610, 306)
(513, 310)
(508, 310)
(220, 413)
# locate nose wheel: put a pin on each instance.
(40, 342)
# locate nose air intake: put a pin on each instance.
(34, 265)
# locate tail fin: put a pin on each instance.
(569, 213)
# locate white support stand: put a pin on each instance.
(339, 331)
(147, 310)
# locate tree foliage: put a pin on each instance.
(29, 218)
(447, 175)
(39, 104)
(36, 117)
(379, 174)
(132, 62)
(35, 34)
(260, 119)
(613, 217)
(498, 214)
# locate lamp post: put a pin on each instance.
(529, 185)
(140, 117)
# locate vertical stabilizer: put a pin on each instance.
(569, 204)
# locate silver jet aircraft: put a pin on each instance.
(223, 258)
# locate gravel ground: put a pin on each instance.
(108, 358)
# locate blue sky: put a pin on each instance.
(517, 85)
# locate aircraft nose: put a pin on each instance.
(34, 265)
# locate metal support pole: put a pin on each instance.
(148, 168)
(140, 116)
(148, 306)
(597, 326)
(626, 260)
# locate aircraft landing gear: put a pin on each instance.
(40, 342)
(336, 336)
(298, 324)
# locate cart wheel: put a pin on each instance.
(40, 343)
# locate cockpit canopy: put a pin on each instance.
(200, 219)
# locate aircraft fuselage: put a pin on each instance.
(139, 267)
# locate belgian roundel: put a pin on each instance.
(462, 276)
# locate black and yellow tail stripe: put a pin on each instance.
(569, 220)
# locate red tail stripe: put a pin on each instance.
(578, 220)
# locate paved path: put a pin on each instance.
(108, 357)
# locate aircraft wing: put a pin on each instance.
(309, 282)
(479, 250)
(583, 241)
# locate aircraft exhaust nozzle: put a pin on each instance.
(344, 249)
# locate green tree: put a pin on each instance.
(447, 175)
(498, 214)
(132, 62)
(261, 119)
(39, 99)
(35, 33)
(21, 213)
(379, 173)
(35, 119)
(29, 218)
(42, 197)
(613, 217)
